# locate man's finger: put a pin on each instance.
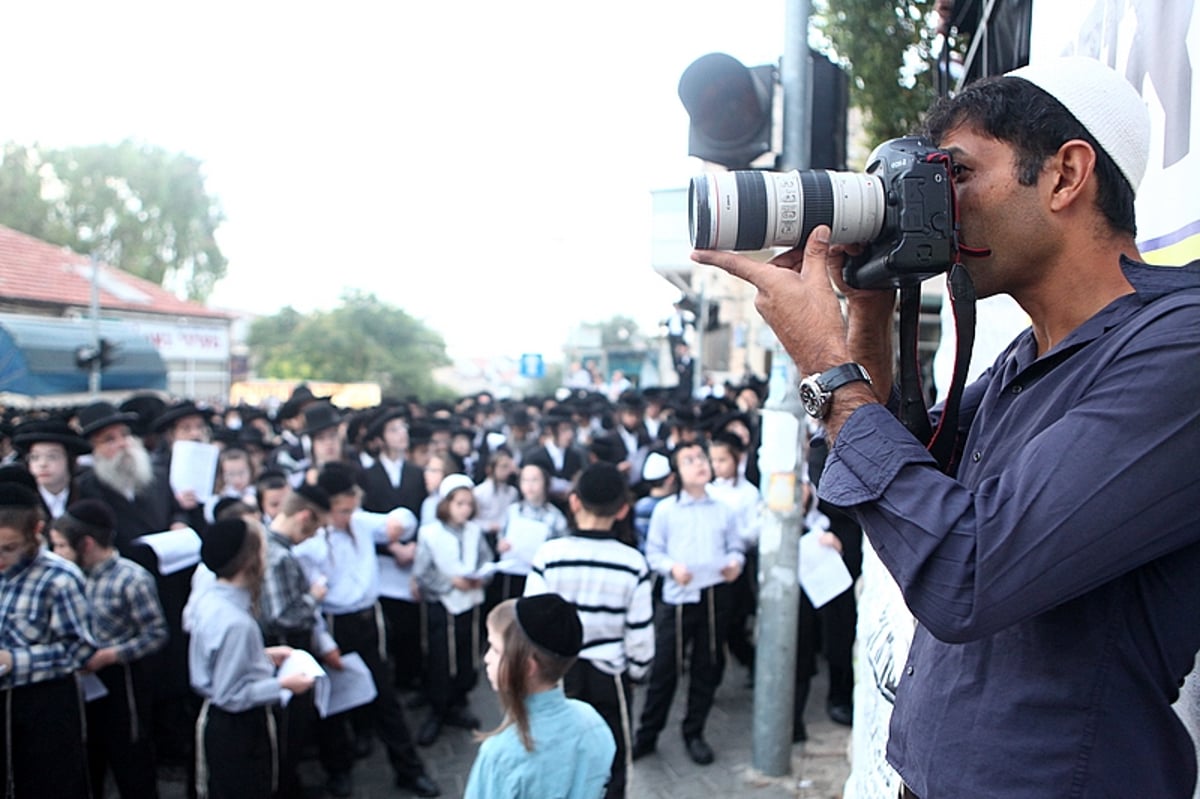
(734, 264)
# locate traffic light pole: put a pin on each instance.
(782, 463)
(96, 365)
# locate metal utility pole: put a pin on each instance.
(96, 365)
(781, 463)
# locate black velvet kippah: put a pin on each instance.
(94, 513)
(551, 622)
(221, 542)
(337, 478)
(314, 494)
(15, 495)
(599, 484)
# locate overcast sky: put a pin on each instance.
(485, 166)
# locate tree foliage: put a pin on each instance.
(363, 339)
(135, 206)
(888, 49)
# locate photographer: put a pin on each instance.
(1054, 571)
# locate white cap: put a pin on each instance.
(1106, 104)
(454, 481)
(656, 467)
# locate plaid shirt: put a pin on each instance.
(44, 619)
(287, 606)
(126, 613)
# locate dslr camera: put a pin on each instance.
(902, 209)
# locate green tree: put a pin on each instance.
(363, 339)
(135, 206)
(888, 50)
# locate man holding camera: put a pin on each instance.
(1055, 570)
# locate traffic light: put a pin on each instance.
(104, 351)
(732, 111)
(731, 107)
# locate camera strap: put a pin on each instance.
(944, 443)
(914, 414)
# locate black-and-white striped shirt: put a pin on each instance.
(609, 584)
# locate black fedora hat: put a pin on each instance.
(100, 415)
(52, 430)
(375, 429)
(177, 411)
(321, 415)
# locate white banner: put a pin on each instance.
(185, 342)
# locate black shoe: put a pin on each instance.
(362, 746)
(339, 784)
(462, 718)
(420, 785)
(429, 731)
(841, 714)
(699, 750)
(799, 733)
(642, 747)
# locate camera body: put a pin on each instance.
(901, 208)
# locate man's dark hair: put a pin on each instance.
(1015, 111)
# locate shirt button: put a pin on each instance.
(976, 456)
(1018, 388)
(909, 671)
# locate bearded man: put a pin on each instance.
(124, 478)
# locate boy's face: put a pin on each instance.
(49, 465)
(15, 545)
(60, 546)
(694, 468)
(491, 658)
(724, 465)
(270, 500)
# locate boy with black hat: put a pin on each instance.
(546, 745)
(610, 583)
(288, 612)
(345, 555)
(128, 624)
(232, 668)
(49, 447)
(44, 639)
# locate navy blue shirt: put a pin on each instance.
(1056, 575)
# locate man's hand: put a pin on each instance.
(318, 590)
(333, 659)
(731, 571)
(466, 583)
(278, 654)
(680, 574)
(796, 298)
(296, 682)
(403, 554)
(102, 658)
(6, 662)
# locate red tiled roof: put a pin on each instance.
(37, 271)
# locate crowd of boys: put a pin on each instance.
(653, 559)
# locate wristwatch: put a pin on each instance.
(816, 391)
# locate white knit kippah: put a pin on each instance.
(1105, 104)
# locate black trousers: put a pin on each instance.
(239, 752)
(46, 743)
(451, 670)
(403, 620)
(699, 627)
(120, 730)
(612, 696)
(358, 632)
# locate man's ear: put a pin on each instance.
(1072, 168)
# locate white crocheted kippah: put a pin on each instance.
(1105, 103)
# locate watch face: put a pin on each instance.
(814, 400)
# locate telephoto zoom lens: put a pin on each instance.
(757, 210)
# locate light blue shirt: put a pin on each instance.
(571, 759)
(700, 532)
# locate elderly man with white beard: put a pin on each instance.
(124, 478)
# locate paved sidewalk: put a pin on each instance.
(819, 767)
